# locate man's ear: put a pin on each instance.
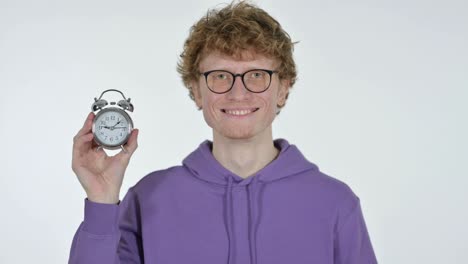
(283, 91)
(196, 93)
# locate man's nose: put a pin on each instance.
(238, 88)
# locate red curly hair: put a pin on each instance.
(232, 30)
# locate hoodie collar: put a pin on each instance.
(204, 166)
(289, 161)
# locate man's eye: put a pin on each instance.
(221, 76)
(256, 75)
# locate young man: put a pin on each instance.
(242, 197)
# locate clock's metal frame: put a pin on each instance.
(129, 130)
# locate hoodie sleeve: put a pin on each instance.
(110, 233)
(352, 241)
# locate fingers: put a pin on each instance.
(85, 138)
(80, 144)
(86, 126)
(84, 135)
(131, 145)
(79, 148)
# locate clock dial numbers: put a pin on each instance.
(112, 127)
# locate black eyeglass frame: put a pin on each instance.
(234, 76)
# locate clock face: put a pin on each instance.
(112, 127)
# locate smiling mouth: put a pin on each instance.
(239, 112)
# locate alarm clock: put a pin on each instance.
(112, 125)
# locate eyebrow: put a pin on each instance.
(248, 69)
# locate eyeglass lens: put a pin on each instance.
(255, 80)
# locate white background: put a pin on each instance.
(381, 104)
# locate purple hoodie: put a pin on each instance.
(287, 213)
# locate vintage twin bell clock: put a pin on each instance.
(112, 125)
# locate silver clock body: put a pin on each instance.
(112, 127)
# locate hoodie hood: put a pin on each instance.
(202, 164)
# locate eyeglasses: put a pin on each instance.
(256, 80)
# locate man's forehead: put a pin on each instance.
(246, 57)
(240, 54)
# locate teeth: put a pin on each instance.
(239, 112)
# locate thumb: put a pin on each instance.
(131, 145)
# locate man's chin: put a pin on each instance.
(236, 134)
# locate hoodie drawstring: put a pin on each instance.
(253, 221)
(229, 219)
(252, 187)
(206, 168)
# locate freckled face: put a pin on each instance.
(219, 110)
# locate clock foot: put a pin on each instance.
(124, 150)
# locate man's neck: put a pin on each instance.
(244, 157)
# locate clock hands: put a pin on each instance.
(114, 126)
(117, 123)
